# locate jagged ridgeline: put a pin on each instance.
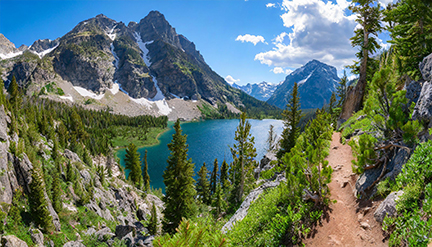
(141, 68)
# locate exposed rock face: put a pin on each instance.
(23, 169)
(122, 231)
(423, 108)
(12, 241)
(37, 237)
(3, 124)
(6, 46)
(413, 90)
(43, 45)
(244, 207)
(73, 244)
(72, 156)
(387, 207)
(426, 68)
(316, 81)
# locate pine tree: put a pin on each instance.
(133, 164)
(179, 183)
(332, 110)
(243, 152)
(224, 175)
(219, 203)
(271, 139)
(341, 89)
(369, 17)
(214, 177)
(70, 172)
(203, 186)
(410, 29)
(153, 224)
(56, 192)
(13, 91)
(37, 201)
(292, 116)
(2, 95)
(146, 176)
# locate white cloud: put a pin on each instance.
(255, 39)
(271, 5)
(280, 70)
(318, 30)
(231, 80)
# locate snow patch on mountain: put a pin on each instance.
(111, 33)
(115, 88)
(69, 97)
(10, 55)
(116, 58)
(142, 45)
(86, 93)
(304, 80)
(43, 53)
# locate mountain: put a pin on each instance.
(262, 91)
(316, 81)
(139, 68)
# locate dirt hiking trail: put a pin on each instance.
(349, 222)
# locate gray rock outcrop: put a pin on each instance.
(72, 156)
(413, 90)
(73, 244)
(12, 241)
(387, 207)
(3, 124)
(426, 68)
(37, 237)
(423, 108)
(253, 195)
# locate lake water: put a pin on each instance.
(207, 140)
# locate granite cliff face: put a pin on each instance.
(316, 81)
(148, 61)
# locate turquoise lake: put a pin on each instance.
(207, 140)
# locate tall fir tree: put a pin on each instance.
(243, 152)
(292, 116)
(410, 29)
(224, 175)
(332, 110)
(271, 139)
(38, 202)
(179, 183)
(2, 95)
(56, 192)
(214, 177)
(14, 97)
(369, 17)
(153, 224)
(203, 186)
(133, 164)
(146, 176)
(341, 89)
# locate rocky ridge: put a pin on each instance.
(262, 91)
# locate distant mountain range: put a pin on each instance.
(316, 81)
(262, 91)
(139, 68)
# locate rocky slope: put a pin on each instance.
(262, 91)
(316, 81)
(147, 61)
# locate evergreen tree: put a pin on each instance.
(271, 139)
(224, 175)
(292, 116)
(56, 192)
(13, 91)
(133, 164)
(214, 177)
(179, 183)
(369, 17)
(153, 224)
(219, 203)
(70, 172)
(341, 89)
(332, 110)
(37, 201)
(2, 96)
(203, 186)
(146, 176)
(410, 29)
(243, 152)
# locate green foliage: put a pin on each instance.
(241, 170)
(271, 139)
(153, 224)
(56, 192)
(224, 175)
(363, 150)
(385, 187)
(146, 176)
(37, 201)
(214, 177)
(133, 164)
(203, 186)
(341, 89)
(193, 234)
(14, 94)
(291, 115)
(410, 27)
(179, 183)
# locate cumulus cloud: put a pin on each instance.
(280, 70)
(271, 5)
(231, 80)
(255, 39)
(319, 30)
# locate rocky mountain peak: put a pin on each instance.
(43, 44)
(5, 45)
(155, 27)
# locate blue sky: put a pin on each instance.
(243, 41)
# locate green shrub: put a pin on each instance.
(363, 150)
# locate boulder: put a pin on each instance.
(253, 195)
(3, 124)
(387, 207)
(122, 231)
(6, 175)
(268, 157)
(413, 90)
(148, 241)
(23, 169)
(12, 241)
(395, 165)
(72, 156)
(423, 109)
(37, 237)
(426, 68)
(104, 234)
(106, 214)
(73, 244)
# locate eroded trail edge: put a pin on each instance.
(349, 222)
